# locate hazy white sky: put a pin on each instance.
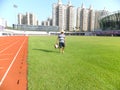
(43, 8)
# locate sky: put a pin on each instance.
(43, 8)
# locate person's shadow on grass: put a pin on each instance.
(45, 50)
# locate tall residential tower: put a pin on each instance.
(85, 19)
(63, 16)
(28, 19)
(3, 24)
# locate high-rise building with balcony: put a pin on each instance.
(70, 17)
(98, 15)
(48, 22)
(85, 19)
(28, 19)
(63, 16)
(3, 24)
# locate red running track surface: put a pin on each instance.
(13, 62)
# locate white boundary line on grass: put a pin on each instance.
(3, 78)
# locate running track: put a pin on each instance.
(13, 62)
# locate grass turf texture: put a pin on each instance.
(89, 63)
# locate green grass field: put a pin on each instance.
(89, 63)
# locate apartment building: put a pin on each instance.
(63, 16)
(3, 24)
(48, 22)
(98, 15)
(85, 19)
(27, 19)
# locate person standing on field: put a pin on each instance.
(61, 39)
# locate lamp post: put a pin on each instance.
(15, 7)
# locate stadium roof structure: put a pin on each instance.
(110, 21)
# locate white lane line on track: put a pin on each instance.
(8, 47)
(3, 78)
